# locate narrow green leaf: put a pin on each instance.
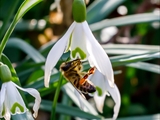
(126, 59)
(147, 117)
(116, 49)
(25, 7)
(126, 20)
(99, 9)
(27, 48)
(146, 66)
(67, 110)
(7, 19)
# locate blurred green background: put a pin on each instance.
(128, 30)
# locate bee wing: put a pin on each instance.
(79, 92)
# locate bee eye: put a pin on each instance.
(66, 66)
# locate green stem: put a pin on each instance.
(7, 19)
(53, 113)
(6, 36)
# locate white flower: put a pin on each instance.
(81, 42)
(104, 89)
(11, 102)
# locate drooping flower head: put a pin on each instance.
(81, 43)
(11, 102)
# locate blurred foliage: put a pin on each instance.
(133, 47)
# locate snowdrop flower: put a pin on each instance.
(11, 102)
(82, 44)
(103, 89)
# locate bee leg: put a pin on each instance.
(91, 70)
(82, 81)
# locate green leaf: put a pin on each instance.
(27, 48)
(25, 7)
(147, 117)
(126, 20)
(126, 59)
(67, 110)
(101, 8)
(144, 66)
(116, 49)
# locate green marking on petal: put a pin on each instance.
(80, 52)
(99, 90)
(69, 43)
(4, 111)
(15, 105)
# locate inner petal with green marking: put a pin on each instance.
(79, 51)
(99, 91)
(16, 106)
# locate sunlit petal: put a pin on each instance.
(7, 115)
(36, 95)
(14, 100)
(99, 100)
(78, 43)
(98, 55)
(2, 98)
(98, 80)
(80, 98)
(114, 92)
(55, 53)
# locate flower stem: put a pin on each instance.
(6, 36)
(53, 113)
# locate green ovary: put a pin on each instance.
(17, 105)
(81, 53)
(99, 90)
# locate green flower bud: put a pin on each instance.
(79, 10)
(5, 73)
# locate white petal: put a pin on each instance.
(99, 100)
(80, 98)
(36, 95)
(7, 115)
(98, 79)
(98, 55)
(55, 53)
(114, 92)
(2, 98)
(13, 98)
(78, 41)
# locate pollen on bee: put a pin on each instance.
(82, 81)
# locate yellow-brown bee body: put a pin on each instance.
(72, 71)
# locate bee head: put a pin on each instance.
(70, 65)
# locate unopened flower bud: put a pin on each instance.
(5, 73)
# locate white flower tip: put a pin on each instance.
(46, 79)
(34, 115)
(46, 84)
(111, 84)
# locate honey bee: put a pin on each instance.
(72, 71)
